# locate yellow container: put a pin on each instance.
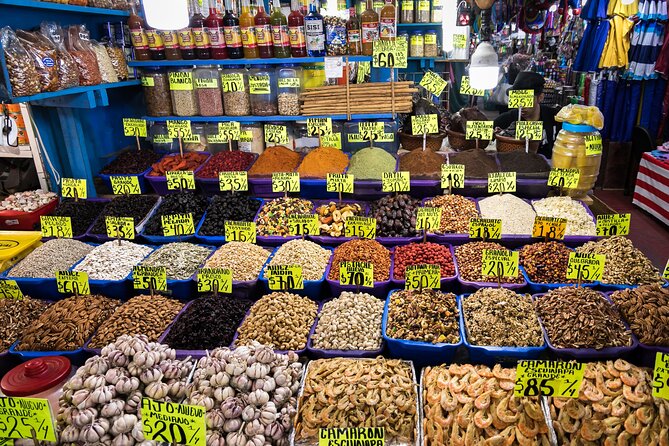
(569, 152)
(15, 245)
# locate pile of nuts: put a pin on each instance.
(351, 321)
(135, 206)
(282, 320)
(581, 318)
(180, 259)
(625, 265)
(423, 254)
(516, 214)
(456, 211)
(311, 257)
(245, 260)
(546, 262)
(579, 222)
(395, 215)
(54, 255)
(289, 104)
(332, 216)
(362, 250)
(273, 216)
(16, 315)
(501, 318)
(470, 262)
(68, 324)
(472, 404)
(27, 201)
(233, 207)
(342, 392)
(101, 403)
(141, 315)
(112, 260)
(646, 310)
(424, 316)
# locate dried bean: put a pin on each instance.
(54, 255)
(180, 260)
(233, 207)
(135, 206)
(112, 261)
(16, 316)
(423, 254)
(245, 260)
(425, 316)
(579, 222)
(362, 250)
(470, 262)
(646, 310)
(312, 258)
(546, 262)
(456, 211)
(516, 214)
(273, 216)
(209, 101)
(185, 202)
(82, 213)
(395, 215)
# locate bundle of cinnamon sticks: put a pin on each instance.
(376, 97)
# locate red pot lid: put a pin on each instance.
(35, 376)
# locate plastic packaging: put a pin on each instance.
(430, 47)
(581, 114)
(79, 47)
(156, 86)
(107, 71)
(208, 91)
(416, 47)
(335, 36)
(422, 11)
(569, 151)
(44, 56)
(68, 72)
(117, 58)
(252, 138)
(262, 86)
(406, 14)
(184, 102)
(235, 86)
(289, 88)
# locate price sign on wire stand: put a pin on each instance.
(176, 225)
(237, 181)
(390, 54)
(120, 227)
(356, 274)
(134, 127)
(532, 130)
(428, 219)
(423, 124)
(661, 376)
(276, 134)
(521, 98)
(501, 182)
(340, 182)
(125, 185)
(418, 277)
(485, 228)
(285, 182)
(180, 179)
(665, 274)
(564, 178)
(240, 231)
(395, 182)
(72, 282)
(433, 83)
(319, 126)
(588, 267)
(363, 227)
(180, 129)
(593, 145)
(214, 280)
(303, 224)
(60, 227)
(613, 224)
(173, 423)
(548, 378)
(334, 437)
(26, 418)
(284, 277)
(9, 289)
(549, 228)
(500, 263)
(452, 176)
(466, 88)
(479, 130)
(152, 278)
(74, 188)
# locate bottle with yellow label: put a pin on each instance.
(232, 32)
(570, 151)
(140, 41)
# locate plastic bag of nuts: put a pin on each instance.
(80, 49)
(117, 57)
(107, 70)
(45, 58)
(335, 36)
(22, 73)
(68, 72)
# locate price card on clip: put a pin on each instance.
(233, 181)
(340, 436)
(356, 274)
(564, 178)
(428, 219)
(521, 98)
(433, 83)
(501, 182)
(424, 124)
(549, 227)
(422, 276)
(587, 267)
(548, 378)
(285, 182)
(303, 224)
(74, 188)
(180, 179)
(173, 423)
(395, 182)
(214, 280)
(453, 176)
(125, 185)
(661, 376)
(613, 224)
(71, 282)
(284, 277)
(363, 227)
(390, 54)
(466, 88)
(319, 126)
(593, 145)
(485, 228)
(532, 130)
(149, 277)
(134, 127)
(240, 231)
(479, 130)
(60, 227)
(19, 417)
(276, 134)
(9, 289)
(499, 263)
(178, 129)
(340, 182)
(176, 225)
(120, 227)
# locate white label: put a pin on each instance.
(315, 35)
(334, 67)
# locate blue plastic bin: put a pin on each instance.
(312, 288)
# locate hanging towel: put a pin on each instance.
(646, 44)
(617, 46)
(592, 45)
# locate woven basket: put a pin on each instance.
(458, 142)
(413, 142)
(508, 144)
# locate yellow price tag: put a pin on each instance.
(532, 130)
(125, 185)
(501, 182)
(231, 83)
(459, 41)
(149, 278)
(428, 219)
(214, 280)
(390, 54)
(564, 178)
(176, 225)
(240, 231)
(661, 376)
(260, 84)
(284, 277)
(60, 227)
(179, 129)
(588, 267)
(180, 179)
(548, 378)
(370, 131)
(228, 131)
(134, 127)
(479, 130)
(246, 136)
(665, 274)
(466, 88)
(422, 276)
(395, 182)
(9, 289)
(74, 188)
(549, 227)
(424, 124)
(499, 263)
(289, 82)
(593, 145)
(233, 181)
(19, 417)
(331, 140)
(356, 274)
(453, 176)
(521, 98)
(181, 80)
(303, 224)
(173, 423)
(613, 224)
(485, 228)
(276, 134)
(363, 227)
(120, 227)
(372, 436)
(433, 83)
(339, 182)
(319, 126)
(285, 182)
(71, 282)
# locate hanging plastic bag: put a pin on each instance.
(45, 58)
(107, 70)
(68, 72)
(79, 47)
(117, 57)
(22, 74)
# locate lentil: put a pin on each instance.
(579, 222)
(546, 262)
(135, 206)
(67, 324)
(82, 213)
(54, 255)
(226, 161)
(645, 310)
(245, 260)
(312, 258)
(16, 316)
(362, 250)
(421, 254)
(233, 207)
(470, 262)
(351, 321)
(275, 159)
(395, 215)
(180, 260)
(422, 164)
(273, 216)
(424, 316)
(132, 162)
(282, 320)
(581, 318)
(456, 211)
(27, 201)
(184, 202)
(370, 163)
(322, 161)
(112, 261)
(502, 318)
(332, 216)
(516, 214)
(477, 163)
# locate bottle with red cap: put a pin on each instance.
(38, 378)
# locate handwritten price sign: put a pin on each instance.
(173, 423)
(23, 417)
(548, 378)
(240, 231)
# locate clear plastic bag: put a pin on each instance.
(22, 74)
(117, 57)
(68, 72)
(45, 58)
(79, 47)
(107, 71)
(107, 4)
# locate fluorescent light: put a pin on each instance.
(484, 67)
(166, 14)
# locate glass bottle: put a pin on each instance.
(353, 33)
(388, 23)
(171, 42)
(249, 44)
(437, 14)
(407, 11)
(263, 86)
(423, 11)
(202, 45)
(313, 28)
(369, 21)
(156, 45)
(263, 32)
(186, 39)
(280, 37)
(298, 42)
(140, 42)
(214, 24)
(232, 32)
